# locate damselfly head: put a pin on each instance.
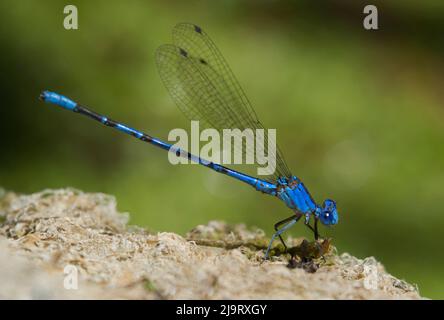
(329, 213)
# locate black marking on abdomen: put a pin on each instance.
(110, 123)
(224, 170)
(146, 138)
(88, 113)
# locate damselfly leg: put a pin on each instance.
(292, 219)
(278, 233)
(276, 228)
(315, 229)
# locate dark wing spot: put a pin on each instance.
(198, 29)
(177, 152)
(183, 52)
(202, 61)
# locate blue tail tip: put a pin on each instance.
(44, 95)
(58, 99)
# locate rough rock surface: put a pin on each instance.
(48, 238)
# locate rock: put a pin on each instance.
(66, 244)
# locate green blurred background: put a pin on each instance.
(359, 115)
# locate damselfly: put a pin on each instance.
(203, 86)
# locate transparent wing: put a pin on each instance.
(205, 89)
